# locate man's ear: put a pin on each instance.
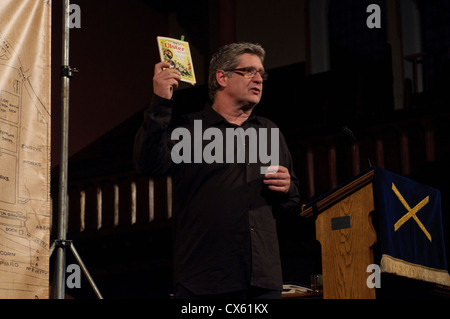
(222, 78)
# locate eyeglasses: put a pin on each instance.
(249, 73)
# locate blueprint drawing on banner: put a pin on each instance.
(24, 148)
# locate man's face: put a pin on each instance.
(242, 88)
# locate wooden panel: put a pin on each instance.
(91, 216)
(337, 194)
(74, 210)
(346, 252)
(108, 202)
(125, 202)
(144, 200)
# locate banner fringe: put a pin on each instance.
(403, 268)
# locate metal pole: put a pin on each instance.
(86, 272)
(60, 262)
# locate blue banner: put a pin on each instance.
(411, 232)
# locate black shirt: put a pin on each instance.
(224, 215)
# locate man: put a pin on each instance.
(225, 210)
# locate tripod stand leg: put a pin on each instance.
(85, 271)
(58, 291)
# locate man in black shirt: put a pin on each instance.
(226, 195)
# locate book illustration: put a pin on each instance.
(177, 53)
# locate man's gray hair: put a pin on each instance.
(226, 58)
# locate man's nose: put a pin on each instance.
(257, 78)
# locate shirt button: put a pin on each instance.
(251, 228)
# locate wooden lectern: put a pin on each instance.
(346, 234)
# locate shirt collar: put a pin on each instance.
(213, 118)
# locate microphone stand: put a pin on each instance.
(349, 132)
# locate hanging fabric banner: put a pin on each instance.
(25, 40)
(411, 231)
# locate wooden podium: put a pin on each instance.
(346, 234)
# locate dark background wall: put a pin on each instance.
(355, 81)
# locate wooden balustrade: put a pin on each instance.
(117, 201)
(322, 163)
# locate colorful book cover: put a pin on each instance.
(178, 54)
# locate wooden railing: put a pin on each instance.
(403, 147)
(321, 163)
(117, 201)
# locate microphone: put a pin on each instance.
(349, 132)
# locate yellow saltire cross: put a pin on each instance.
(411, 212)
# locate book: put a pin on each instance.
(292, 289)
(178, 54)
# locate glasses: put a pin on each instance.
(249, 73)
